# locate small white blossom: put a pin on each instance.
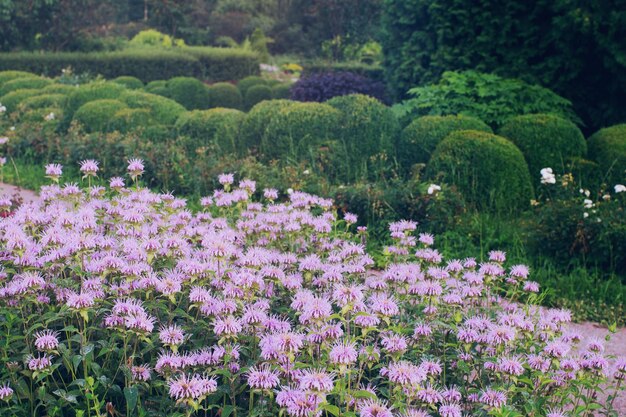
(547, 176)
(432, 188)
(620, 188)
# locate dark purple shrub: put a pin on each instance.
(326, 85)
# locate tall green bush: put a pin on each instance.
(129, 82)
(225, 95)
(43, 101)
(163, 110)
(545, 140)
(489, 170)
(12, 100)
(90, 92)
(247, 82)
(96, 115)
(420, 138)
(216, 129)
(11, 75)
(608, 148)
(188, 91)
(256, 122)
(257, 94)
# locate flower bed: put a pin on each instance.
(121, 300)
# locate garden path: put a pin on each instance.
(616, 346)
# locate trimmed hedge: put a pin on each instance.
(367, 129)
(59, 89)
(128, 120)
(374, 72)
(163, 110)
(12, 100)
(257, 120)
(225, 95)
(257, 94)
(90, 92)
(244, 84)
(298, 131)
(129, 82)
(96, 115)
(39, 115)
(489, 170)
(155, 84)
(217, 129)
(190, 92)
(608, 148)
(24, 83)
(545, 140)
(12, 75)
(281, 91)
(42, 101)
(147, 64)
(420, 138)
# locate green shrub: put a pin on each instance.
(587, 174)
(129, 82)
(608, 148)
(368, 132)
(12, 100)
(38, 115)
(545, 140)
(24, 84)
(217, 129)
(43, 101)
(257, 94)
(163, 110)
(190, 92)
(147, 64)
(374, 72)
(281, 90)
(11, 75)
(420, 138)
(256, 122)
(296, 132)
(96, 115)
(489, 170)
(244, 84)
(128, 120)
(90, 92)
(59, 89)
(225, 95)
(155, 84)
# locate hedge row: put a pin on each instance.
(374, 72)
(211, 64)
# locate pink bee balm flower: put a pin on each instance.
(46, 340)
(6, 392)
(135, 167)
(226, 179)
(343, 353)
(317, 380)
(493, 398)
(192, 387)
(374, 408)
(141, 372)
(54, 171)
(171, 335)
(39, 363)
(262, 377)
(89, 167)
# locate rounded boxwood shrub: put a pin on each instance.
(90, 92)
(420, 138)
(12, 75)
(164, 110)
(38, 115)
(281, 90)
(96, 115)
(217, 128)
(608, 148)
(225, 95)
(155, 84)
(367, 128)
(12, 100)
(245, 83)
(298, 131)
(257, 94)
(587, 174)
(43, 101)
(127, 81)
(23, 84)
(59, 89)
(545, 140)
(190, 92)
(256, 122)
(128, 120)
(489, 170)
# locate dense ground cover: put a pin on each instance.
(118, 298)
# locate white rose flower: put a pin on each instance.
(620, 188)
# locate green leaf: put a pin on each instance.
(227, 410)
(131, 394)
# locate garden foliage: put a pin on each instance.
(225, 95)
(324, 86)
(608, 148)
(215, 130)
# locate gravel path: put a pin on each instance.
(615, 346)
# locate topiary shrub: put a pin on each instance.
(129, 120)
(368, 131)
(298, 131)
(90, 92)
(129, 82)
(24, 83)
(225, 95)
(608, 148)
(587, 174)
(155, 84)
(256, 122)
(42, 115)
(42, 101)
(545, 140)
(11, 75)
(244, 84)
(163, 110)
(257, 94)
(96, 115)
(281, 90)
(12, 100)
(324, 86)
(190, 92)
(489, 170)
(216, 128)
(59, 89)
(420, 138)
